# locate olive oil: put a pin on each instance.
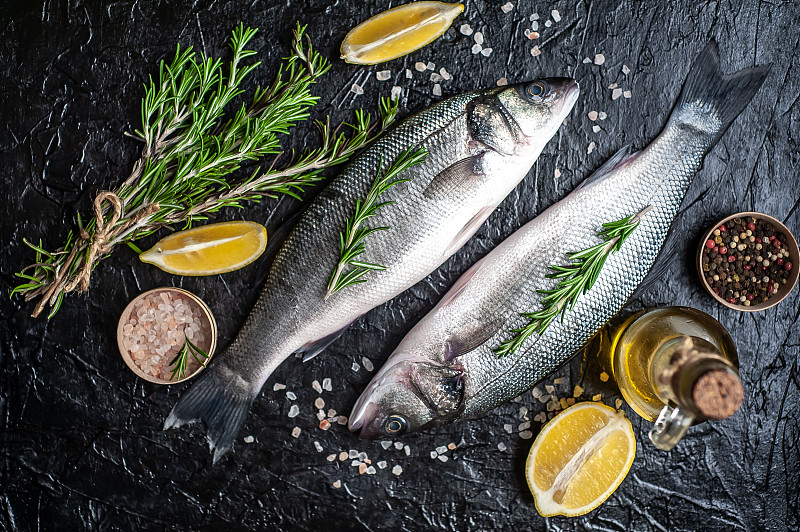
(674, 366)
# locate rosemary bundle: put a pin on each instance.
(189, 149)
(575, 279)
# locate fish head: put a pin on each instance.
(520, 119)
(408, 394)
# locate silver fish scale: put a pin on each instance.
(290, 311)
(659, 176)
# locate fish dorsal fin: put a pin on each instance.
(455, 176)
(462, 342)
(616, 161)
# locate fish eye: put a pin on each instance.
(395, 425)
(536, 91)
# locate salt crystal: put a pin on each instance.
(316, 386)
(526, 435)
(563, 403)
(451, 446)
(535, 25)
(604, 376)
(559, 380)
(291, 396)
(434, 454)
(627, 94)
(548, 23)
(343, 456)
(478, 37)
(294, 411)
(356, 89)
(465, 29)
(342, 420)
(362, 456)
(430, 65)
(550, 388)
(441, 449)
(436, 77)
(626, 70)
(556, 15)
(382, 464)
(331, 457)
(570, 401)
(586, 60)
(618, 403)
(324, 424)
(501, 446)
(444, 73)
(508, 6)
(535, 51)
(444, 458)
(476, 48)
(386, 444)
(577, 391)
(337, 484)
(557, 173)
(383, 75)
(533, 35)
(596, 129)
(367, 363)
(320, 415)
(420, 66)
(612, 86)
(524, 426)
(535, 16)
(536, 392)
(319, 403)
(599, 59)
(592, 115)
(362, 468)
(318, 447)
(371, 470)
(331, 412)
(397, 470)
(296, 432)
(396, 92)
(398, 445)
(486, 52)
(437, 91)
(502, 82)
(602, 115)
(597, 397)
(355, 367)
(508, 427)
(407, 450)
(616, 93)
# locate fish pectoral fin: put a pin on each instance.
(312, 349)
(616, 161)
(463, 342)
(467, 231)
(455, 176)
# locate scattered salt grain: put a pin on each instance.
(478, 37)
(599, 59)
(476, 48)
(597, 397)
(602, 115)
(444, 73)
(320, 415)
(535, 25)
(616, 93)
(536, 392)
(249, 439)
(550, 388)
(396, 92)
(508, 427)
(501, 446)
(317, 446)
(355, 367)
(443, 458)
(352, 453)
(434, 454)
(535, 16)
(612, 86)
(570, 401)
(337, 484)
(430, 65)
(371, 470)
(627, 94)
(296, 432)
(437, 91)
(319, 403)
(326, 385)
(331, 413)
(356, 89)
(524, 426)
(451, 446)
(532, 35)
(383, 75)
(626, 70)
(398, 445)
(331, 457)
(523, 411)
(316, 386)
(592, 115)
(397, 470)
(465, 29)
(291, 396)
(363, 456)
(409, 74)
(526, 435)
(618, 403)
(486, 52)
(604, 376)
(596, 129)
(436, 77)
(386, 444)
(294, 410)
(556, 15)
(543, 398)
(586, 60)
(557, 173)
(420, 66)
(502, 82)
(577, 391)
(548, 23)
(441, 449)
(343, 456)
(362, 468)
(507, 7)
(324, 424)
(407, 450)
(535, 51)
(559, 380)
(382, 464)
(563, 403)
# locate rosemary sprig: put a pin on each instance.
(189, 150)
(575, 279)
(181, 360)
(351, 240)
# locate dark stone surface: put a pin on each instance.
(81, 442)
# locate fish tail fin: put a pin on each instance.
(710, 100)
(221, 406)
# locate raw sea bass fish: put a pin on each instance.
(479, 146)
(446, 369)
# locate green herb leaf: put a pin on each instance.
(181, 360)
(576, 278)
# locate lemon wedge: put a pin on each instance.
(579, 458)
(398, 31)
(209, 250)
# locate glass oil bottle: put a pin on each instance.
(674, 366)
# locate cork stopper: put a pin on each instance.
(718, 394)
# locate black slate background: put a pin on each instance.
(80, 436)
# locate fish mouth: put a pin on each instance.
(566, 92)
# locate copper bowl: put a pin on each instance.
(794, 257)
(210, 342)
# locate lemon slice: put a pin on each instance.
(398, 31)
(579, 458)
(210, 249)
